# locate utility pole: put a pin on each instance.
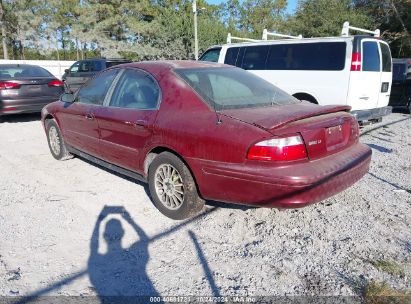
(195, 30)
(3, 31)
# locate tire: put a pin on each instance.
(172, 187)
(55, 140)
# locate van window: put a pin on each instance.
(211, 55)
(231, 55)
(255, 57)
(370, 57)
(386, 57)
(321, 56)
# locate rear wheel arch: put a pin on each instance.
(48, 116)
(306, 96)
(154, 152)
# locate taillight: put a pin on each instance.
(56, 83)
(8, 109)
(7, 85)
(280, 148)
(356, 62)
(355, 129)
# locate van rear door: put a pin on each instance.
(365, 85)
(386, 75)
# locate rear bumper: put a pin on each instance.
(370, 114)
(290, 186)
(32, 105)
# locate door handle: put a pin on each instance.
(365, 98)
(89, 116)
(140, 123)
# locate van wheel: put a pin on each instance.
(173, 188)
(55, 140)
(305, 97)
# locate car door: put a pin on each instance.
(79, 125)
(126, 122)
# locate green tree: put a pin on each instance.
(393, 17)
(250, 17)
(319, 18)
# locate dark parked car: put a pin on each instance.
(26, 88)
(83, 70)
(205, 131)
(401, 84)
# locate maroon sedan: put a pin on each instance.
(205, 131)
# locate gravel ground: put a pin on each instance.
(49, 244)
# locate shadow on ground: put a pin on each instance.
(16, 118)
(120, 274)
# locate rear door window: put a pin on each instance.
(211, 55)
(370, 56)
(136, 90)
(386, 57)
(321, 56)
(255, 57)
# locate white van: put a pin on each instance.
(351, 70)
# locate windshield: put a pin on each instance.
(233, 88)
(9, 72)
(211, 55)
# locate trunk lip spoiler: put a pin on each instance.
(323, 110)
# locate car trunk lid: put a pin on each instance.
(324, 129)
(31, 87)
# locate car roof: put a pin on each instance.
(17, 65)
(401, 60)
(174, 64)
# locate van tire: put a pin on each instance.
(305, 97)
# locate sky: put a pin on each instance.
(292, 4)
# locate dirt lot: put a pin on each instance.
(50, 241)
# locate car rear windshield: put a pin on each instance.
(233, 88)
(9, 72)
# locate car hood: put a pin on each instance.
(269, 118)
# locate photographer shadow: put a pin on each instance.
(119, 275)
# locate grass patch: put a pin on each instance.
(389, 267)
(382, 293)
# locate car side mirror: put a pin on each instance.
(67, 71)
(67, 97)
